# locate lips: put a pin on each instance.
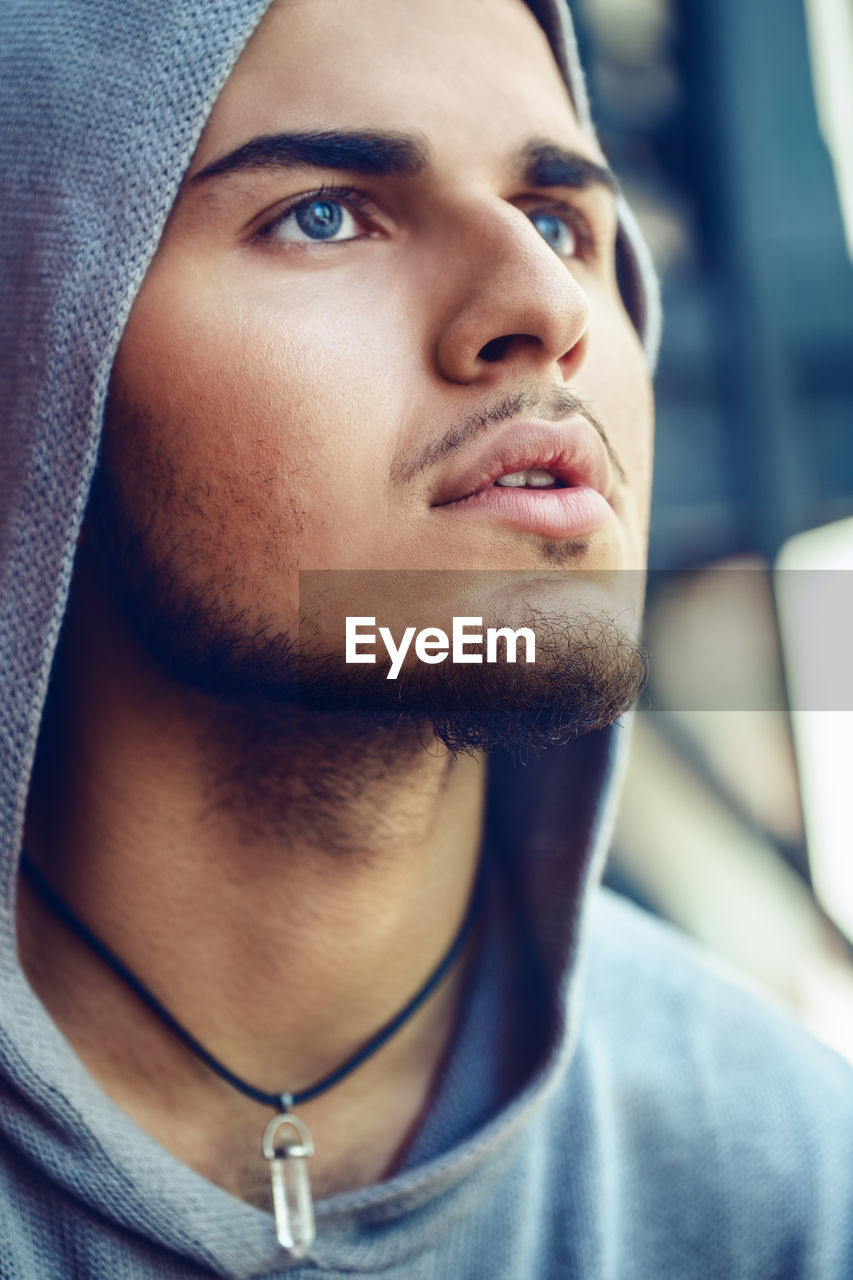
(571, 451)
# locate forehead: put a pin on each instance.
(460, 71)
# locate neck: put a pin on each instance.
(283, 885)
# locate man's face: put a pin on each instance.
(345, 342)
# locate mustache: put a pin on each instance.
(562, 404)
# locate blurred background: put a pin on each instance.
(730, 125)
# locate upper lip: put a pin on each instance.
(572, 450)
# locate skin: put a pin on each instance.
(273, 393)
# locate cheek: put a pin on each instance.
(623, 398)
(279, 419)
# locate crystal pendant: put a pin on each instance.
(288, 1154)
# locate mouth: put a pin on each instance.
(551, 479)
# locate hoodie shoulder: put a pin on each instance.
(730, 1129)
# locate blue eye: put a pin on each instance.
(320, 220)
(556, 232)
(316, 221)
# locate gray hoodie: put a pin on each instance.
(609, 1108)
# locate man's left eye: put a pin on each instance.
(315, 221)
(558, 233)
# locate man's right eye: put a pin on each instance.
(321, 218)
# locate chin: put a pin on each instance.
(587, 673)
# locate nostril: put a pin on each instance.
(496, 349)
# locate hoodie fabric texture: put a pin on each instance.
(609, 1107)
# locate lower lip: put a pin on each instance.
(571, 512)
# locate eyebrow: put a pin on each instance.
(389, 155)
(544, 164)
(397, 155)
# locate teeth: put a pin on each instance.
(540, 479)
(533, 479)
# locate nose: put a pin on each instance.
(512, 299)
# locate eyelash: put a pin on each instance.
(357, 203)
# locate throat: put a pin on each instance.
(240, 865)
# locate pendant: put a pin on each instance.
(288, 1154)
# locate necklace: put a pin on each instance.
(286, 1141)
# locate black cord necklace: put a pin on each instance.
(294, 1210)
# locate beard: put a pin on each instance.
(588, 670)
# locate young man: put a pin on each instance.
(386, 364)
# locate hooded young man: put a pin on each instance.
(368, 328)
